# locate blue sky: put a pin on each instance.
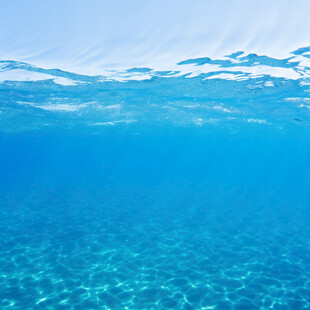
(89, 36)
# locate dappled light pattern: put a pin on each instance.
(127, 249)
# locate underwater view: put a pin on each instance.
(151, 186)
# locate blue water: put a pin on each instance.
(172, 192)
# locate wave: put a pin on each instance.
(239, 88)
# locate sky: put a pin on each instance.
(89, 36)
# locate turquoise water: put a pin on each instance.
(142, 189)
